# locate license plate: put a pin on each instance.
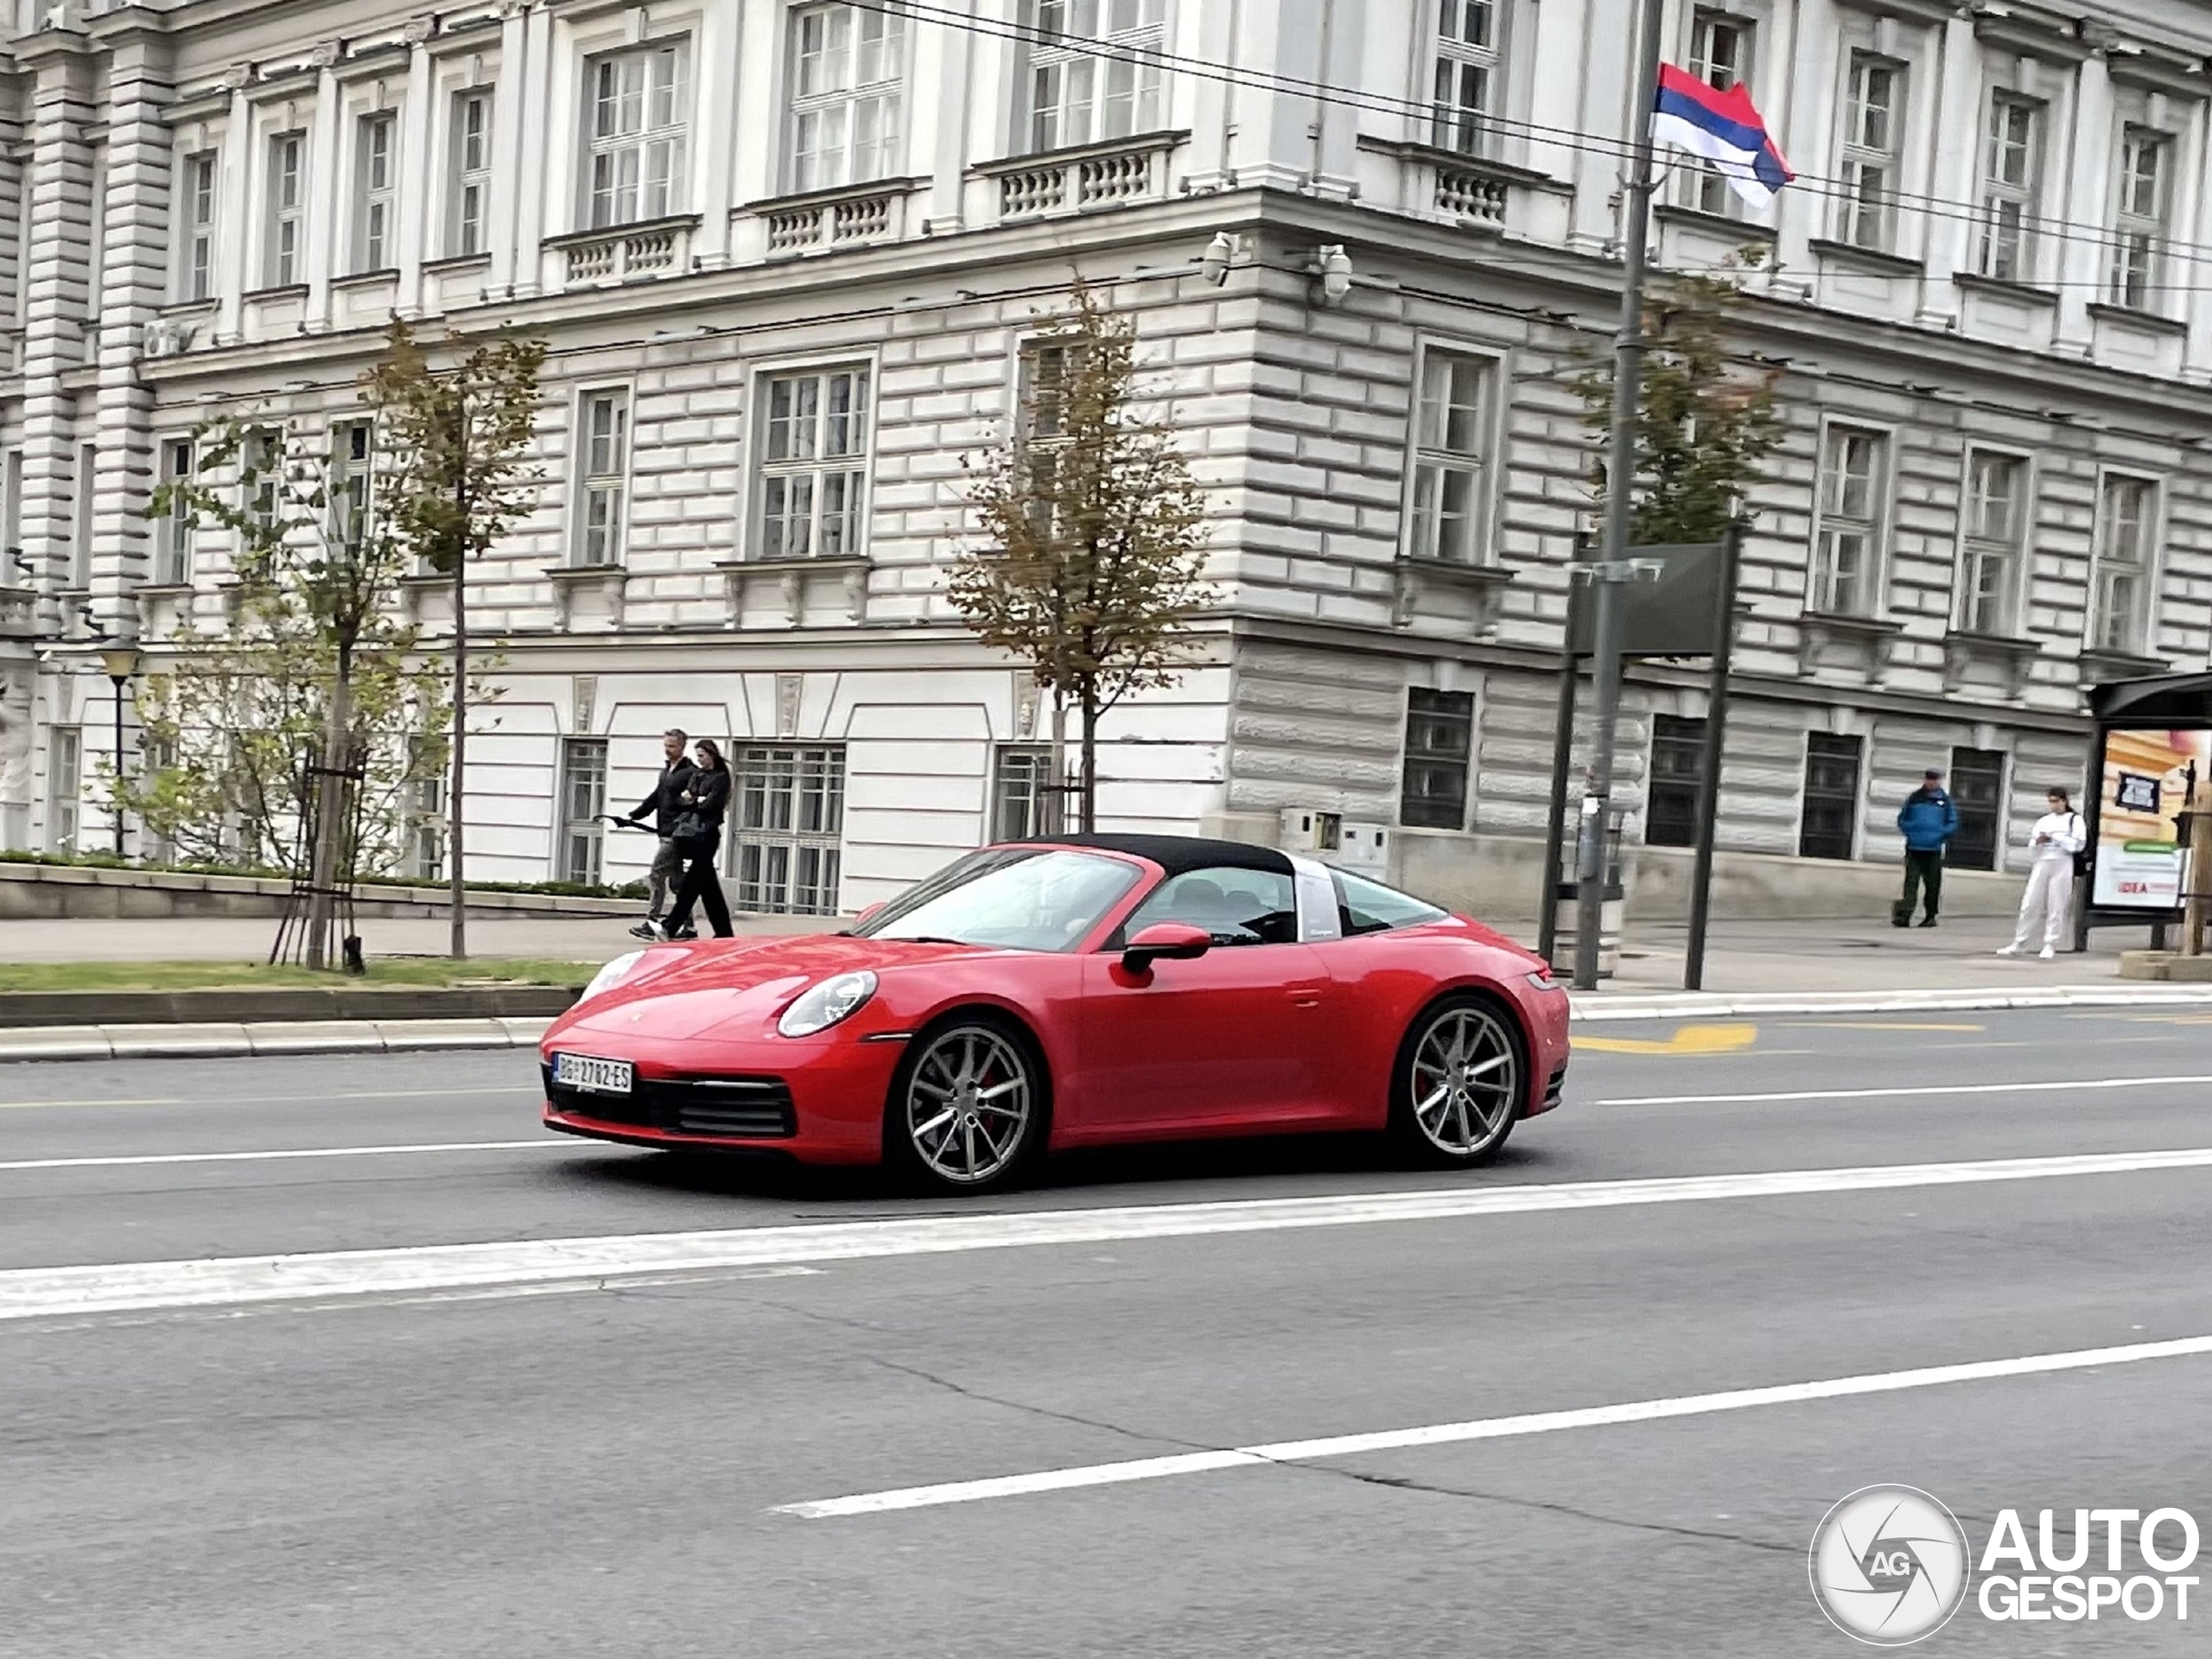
(593, 1077)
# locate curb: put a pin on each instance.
(1680, 1005)
(124, 1042)
(282, 1005)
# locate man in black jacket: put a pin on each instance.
(664, 804)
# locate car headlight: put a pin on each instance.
(822, 1005)
(1542, 980)
(612, 974)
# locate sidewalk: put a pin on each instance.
(1741, 957)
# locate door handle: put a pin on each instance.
(1303, 997)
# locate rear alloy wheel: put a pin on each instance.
(1461, 1083)
(968, 1106)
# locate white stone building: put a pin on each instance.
(790, 256)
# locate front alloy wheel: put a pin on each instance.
(968, 1106)
(1461, 1083)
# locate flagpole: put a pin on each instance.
(1620, 477)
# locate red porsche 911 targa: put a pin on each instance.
(1043, 995)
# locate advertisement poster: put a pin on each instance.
(2138, 842)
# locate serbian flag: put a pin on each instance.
(1724, 129)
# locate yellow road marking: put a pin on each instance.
(1874, 1025)
(1690, 1040)
(2170, 1018)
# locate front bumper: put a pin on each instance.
(817, 1102)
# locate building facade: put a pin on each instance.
(795, 259)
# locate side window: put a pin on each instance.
(1369, 907)
(1236, 906)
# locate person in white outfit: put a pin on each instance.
(2057, 837)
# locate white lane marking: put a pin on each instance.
(275, 1100)
(121, 1161)
(2041, 1086)
(434, 1299)
(1487, 1428)
(33, 1293)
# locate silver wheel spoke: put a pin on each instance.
(1464, 1080)
(968, 1105)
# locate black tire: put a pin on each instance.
(1460, 1082)
(970, 1105)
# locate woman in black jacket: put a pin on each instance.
(698, 834)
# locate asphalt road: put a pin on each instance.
(581, 1467)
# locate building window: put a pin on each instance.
(173, 537)
(583, 799)
(1079, 95)
(80, 528)
(1832, 763)
(11, 513)
(1467, 75)
(814, 464)
(1024, 803)
(425, 852)
(2119, 577)
(2012, 170)
(260, 464)
(1450, 429)
(1978, 788)
(1439, 747)
(637, 123)
(286, 191)
(1874, 122)
(791, 815)
(469, 190)
(376, 173)
(1677, 770)
(2139, 210)
(351, 490)
(603, 472)
(1847, 542)
(848, 63)
(1720, 56)
(65, 786)
(1995, 541)
(197, 188)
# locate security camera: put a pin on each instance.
(1214, 266)
(1333, 265)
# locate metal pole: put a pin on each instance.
(118, 681)
(2198, 865)
(1708, 782)
(2085, 887)
(1570, 675)
(1596, 789)
(1620, 478)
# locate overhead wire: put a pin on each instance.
(1826, 186)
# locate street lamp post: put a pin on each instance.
(121, 662)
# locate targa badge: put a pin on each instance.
(1888, 1565)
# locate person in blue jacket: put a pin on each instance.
(1928, 818)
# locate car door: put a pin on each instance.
(1232, 1038)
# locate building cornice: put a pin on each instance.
(1570, 288)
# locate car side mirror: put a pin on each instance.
(1172, 941)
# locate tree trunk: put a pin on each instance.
(454, 819)
(329, 799)
(1090, 758)
(1054, 819)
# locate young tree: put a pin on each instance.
(309, 551)
(1707, 422)
(459, 440)
(1093, 535)
(225, 725)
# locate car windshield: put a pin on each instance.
(1020, 897)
